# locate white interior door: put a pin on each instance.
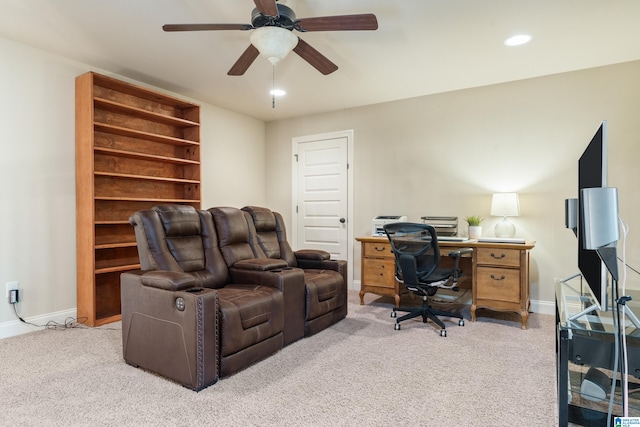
(321, 188)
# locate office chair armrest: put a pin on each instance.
(460, 252)
(456, 255)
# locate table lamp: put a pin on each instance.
(504, 205)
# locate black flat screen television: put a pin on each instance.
(592, 172)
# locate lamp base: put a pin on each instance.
(505, 228)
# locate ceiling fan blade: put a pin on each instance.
(267, 7)
(365, 21)
(206, 27)
(244, 62)
(315, 58)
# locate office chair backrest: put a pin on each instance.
(416, 249)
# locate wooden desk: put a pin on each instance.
(499, 273)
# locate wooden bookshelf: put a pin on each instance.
(135, 148)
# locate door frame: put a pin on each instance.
(348, 134)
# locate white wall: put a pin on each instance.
(37, 178)
(233, 159)
(524, 136)
(446, 154)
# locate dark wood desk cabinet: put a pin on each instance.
(499, 274)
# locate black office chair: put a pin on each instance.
(417, 257)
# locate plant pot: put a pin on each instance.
(475, 231)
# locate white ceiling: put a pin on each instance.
(421, 46)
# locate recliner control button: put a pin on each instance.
(180, 305)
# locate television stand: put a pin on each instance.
(586, 338)
(578, 297)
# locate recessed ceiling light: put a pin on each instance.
(278, 92)
(518, 40)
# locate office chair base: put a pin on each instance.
(427, 313)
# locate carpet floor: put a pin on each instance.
(358, 372)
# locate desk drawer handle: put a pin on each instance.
(497, 257)
(502, 277)
(378, 249)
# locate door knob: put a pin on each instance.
(342, 220)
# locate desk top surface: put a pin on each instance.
(529, 244)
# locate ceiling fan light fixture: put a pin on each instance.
(277, 92)
(274, 43)
(518, 40)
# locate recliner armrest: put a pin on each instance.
(338, 265)
(260, 264)
(312, 254)
(172, 333)
(168, 280)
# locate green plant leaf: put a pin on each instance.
(473, 220)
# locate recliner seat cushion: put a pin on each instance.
(324, 288)
(249, 314)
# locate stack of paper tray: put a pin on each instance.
(444, 225)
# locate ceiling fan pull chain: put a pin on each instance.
(273, 85)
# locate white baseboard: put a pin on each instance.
(354, 285)
(541, 307)
(16, 327)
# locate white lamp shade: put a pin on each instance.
(505, 204)
(274, 43)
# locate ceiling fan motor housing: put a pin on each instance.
(286, 19)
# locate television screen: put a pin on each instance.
(592, 172)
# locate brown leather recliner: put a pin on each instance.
(184, 316)
(325, 279)
(243, 257)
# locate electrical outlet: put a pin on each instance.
(11, 286)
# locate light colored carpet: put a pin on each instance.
(358, 372)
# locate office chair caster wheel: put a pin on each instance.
(393, 314)
(461, 322)
(443, 332)
(396, 326)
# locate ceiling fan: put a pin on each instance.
(273, 24)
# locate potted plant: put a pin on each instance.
(475, 229)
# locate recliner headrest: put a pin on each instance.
(231, 226)
(179, 220)
(263, 218)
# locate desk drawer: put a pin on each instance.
(379, 272)
(498, 284)
(378, 250)
(499, 256)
